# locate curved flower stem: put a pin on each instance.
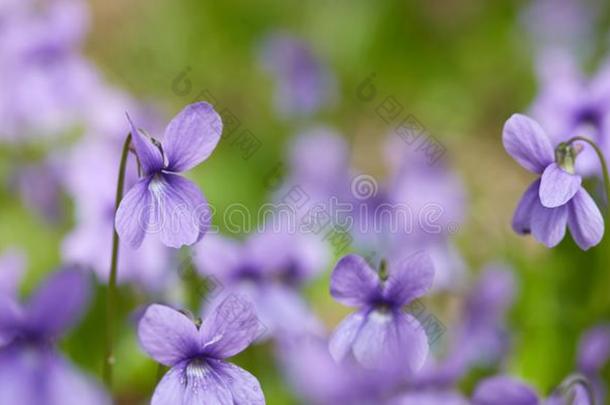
(573, 381)
(111, 293)
(602, 161)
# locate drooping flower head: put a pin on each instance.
(199, 374)
(557, 199)
(381, 330)
(162, 201)
(31, 370)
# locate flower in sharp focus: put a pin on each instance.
(162, 201)
(199, 374)
(557, 199)
(380, 330)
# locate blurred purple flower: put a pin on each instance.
(45, 80)
(381, 330)
(303, 83)
(163, 201)
(31, 371)
(593, 354)
(39, 186)
(91, 182)
(319, 380)
(269, 268)
(557, 199)
(504, 390)
(562, 24)
(500, 390)
(570, 104)
(199, 373)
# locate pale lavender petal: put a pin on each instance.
(68, 386)
(134, 213)
(585, 220)
(192, 382)
(522, 218)
(391, 337)
(149, 154)
(58, 303)
(167, 335)
(557, 186)
(594, 349)
(191, 136)
(180, 211)
(549, 224)
(12, 267)
(409, 278)
(525, 140)
(244, 387)
(171, 389)
(504, 390)
(230, 327)
(217, 256)
(341, 342)
(353, 282)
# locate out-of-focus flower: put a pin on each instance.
(562, 24)
(39, 186)
(557, 199)
(46, 83)
(480, 337)
(593, 354)
(571, 104)
(162, 201)
(199, 374)
(320, 380)
(31, 370)
(500, 390)
(269, 268)
(91, 181)
(504, 390)
(381, 330)
(303, 83)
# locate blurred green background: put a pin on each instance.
(462, 67)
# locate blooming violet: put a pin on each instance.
(199, 374)
(556, 199)
(163, 201)
(380, 330)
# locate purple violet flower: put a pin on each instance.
(304, 84)
(163, 201)
(270, 268)
(557, 199)
(199, 374)
(380, 330)
(91, 182)
(32, 372)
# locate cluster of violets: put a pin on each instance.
(384, 351)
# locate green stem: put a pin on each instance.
(602, 161)
(111, 294)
